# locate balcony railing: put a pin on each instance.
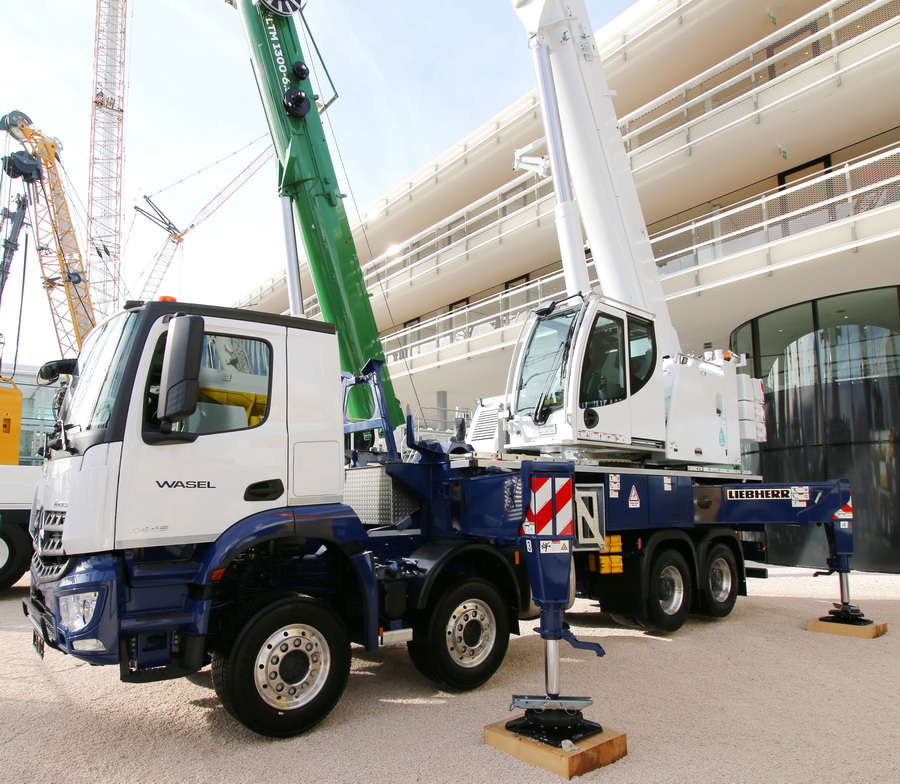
(868, 186)
(486, 318)
(826, 32)
(846, 193)
(510, 207)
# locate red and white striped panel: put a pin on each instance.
(845, 512)
(547, 492)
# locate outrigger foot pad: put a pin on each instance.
(553, 726)
(846, 613)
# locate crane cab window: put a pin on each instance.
(235, 376)
(603, 370)
(543, 366)
(641, 352)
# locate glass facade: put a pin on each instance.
(831, 370)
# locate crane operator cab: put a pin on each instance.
(590, 383)
(588, 378)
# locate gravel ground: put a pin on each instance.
(750, 698)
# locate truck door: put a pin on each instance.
(227, 461)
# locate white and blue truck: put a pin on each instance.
(205, 500)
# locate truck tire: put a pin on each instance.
(281, 669)
(15, 554)
(462, 638)
(719, 582)
(669, 591)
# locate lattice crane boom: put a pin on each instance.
(163, 260)
(107, 146)
(64, 276)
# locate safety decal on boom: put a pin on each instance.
(845, 512)
(550, 510)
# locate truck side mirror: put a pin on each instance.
(179, 386)
(50, 372)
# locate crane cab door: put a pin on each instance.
(615, 388)
(227, 460)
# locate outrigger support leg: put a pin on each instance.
(844, 612)
(840, 547)
(546, 538)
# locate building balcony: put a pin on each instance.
(837, 231)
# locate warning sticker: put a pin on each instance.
(667, 483)
(614, 485)
(634, 500)
(800, 495)
(554, 546)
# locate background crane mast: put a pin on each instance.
(107, 141)
(63, 271)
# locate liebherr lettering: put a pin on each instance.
(185, 483)
(759, 494)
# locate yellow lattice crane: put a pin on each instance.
(64, 278)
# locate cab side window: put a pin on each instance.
(603, 372)
(641, 352)
(235, 382)
(234, 385)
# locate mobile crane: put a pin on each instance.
(160, 548)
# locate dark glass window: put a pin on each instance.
(603, 372)
(641, 352)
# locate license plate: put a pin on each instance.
(38, 642)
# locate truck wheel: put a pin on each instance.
(463, 638)
(719, 583)
(669, 591)
(15, 554)
(281, 670)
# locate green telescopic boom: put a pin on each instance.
(307, 177)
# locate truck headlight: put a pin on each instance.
(77, 609)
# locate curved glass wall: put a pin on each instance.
(831, 369)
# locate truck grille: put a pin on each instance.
(49, 561)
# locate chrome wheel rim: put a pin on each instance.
(671, 590)
(720, 580)
(470, 633)
(292, 666)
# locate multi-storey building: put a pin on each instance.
(764, 139)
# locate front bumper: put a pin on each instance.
(97, 641)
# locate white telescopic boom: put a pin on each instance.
(604, 189)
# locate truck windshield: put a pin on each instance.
(98, 375)
(544, 364)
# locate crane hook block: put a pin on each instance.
(296, 102)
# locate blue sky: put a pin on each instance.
(413, 77)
